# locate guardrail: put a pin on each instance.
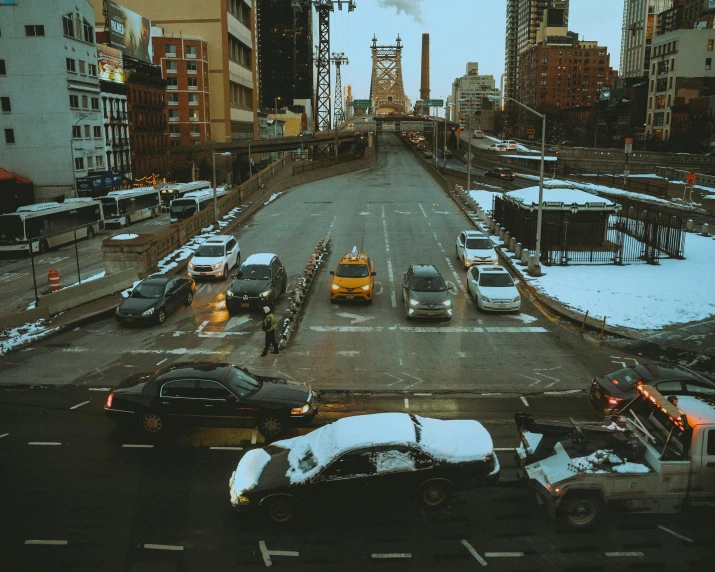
(314, 165)
(680, 175)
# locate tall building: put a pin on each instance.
(51, 120)
(640, 25)
(228, 28)
(184, 65)
(523, 18)
(284, 42)
(469, 90)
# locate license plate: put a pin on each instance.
(598, 394)
(203, 273)
(431, 313)
(349, 297)
(129, 319)
(244, 305)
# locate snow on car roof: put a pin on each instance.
(259, 258)
(454, 441)
(246, 475)
(699, 412)
(530, 195)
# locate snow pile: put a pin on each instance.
(273, 197)
(23, 335)
(603, 461)
(247, 473)
(124, 236)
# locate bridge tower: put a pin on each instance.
(338, 60)
(386, 90)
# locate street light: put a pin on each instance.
(275, 104)
(444, 151)
(535, 267)
(213, 156)
(469, 149)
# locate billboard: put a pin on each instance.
(129, 32)
(110, 64)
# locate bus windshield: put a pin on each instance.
(109, 206)
(183, 209)
(11, 227)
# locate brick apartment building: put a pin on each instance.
(185, 67)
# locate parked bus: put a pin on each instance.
(172, 191)
(49, 225)
(122, 208)
(191, 203)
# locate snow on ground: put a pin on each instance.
(639, 296)
(124, 236)
(272, 198)
(23, 335)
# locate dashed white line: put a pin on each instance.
(164, 547)
(393, 555)
(407, 403)
(390, 277)
(384, 230)
(623, 554)
(79, 405)
(51, 443)
(100, 388)
(675, 534)
(524, 400)
(202, 326)
(457, 280)
(162, 361)
(227, 448)
(503, 554)
(474, 553)
(137, 446)
(422, 394)
(47, 542)
(4, 435)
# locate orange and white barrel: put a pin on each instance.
(53, 277)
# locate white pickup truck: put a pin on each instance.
(657, 456)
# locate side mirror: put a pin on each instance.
(231, 398)
(332, 273)
(373, 273)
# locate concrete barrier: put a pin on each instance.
(705, 230)
(512, 244)
(517, 250)
(87, 291)
(21, 318)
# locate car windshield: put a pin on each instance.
(255, 272)
(109, 206)
(210, 250)
(479, 244)
(241, 383)
(495, 280)
(148, 290)
(11, 227)
(626, 378)
(428, 284)
(352, 271)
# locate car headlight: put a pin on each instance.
(229, 293)
(148, 312)
(244, 499)
(414, 302)
(485, 299)
(217, 265)
(366, 287)
(300, 410)
(191, 265)
(447, 303)
(265, 294)
(515, 300)
(335, 287)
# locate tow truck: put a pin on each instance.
(656, 455)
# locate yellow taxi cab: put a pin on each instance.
(353, 278)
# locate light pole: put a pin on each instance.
(469, 148)
(447, 105)
(214, 163)
(535, 268)
(275, 104)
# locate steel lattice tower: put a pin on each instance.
(386, 89)
(338, 60)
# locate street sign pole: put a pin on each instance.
(628, 150)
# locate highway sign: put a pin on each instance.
(531, 131)
(434, 103)
(362, 103)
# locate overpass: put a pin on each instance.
(269, 145)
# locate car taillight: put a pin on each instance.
(614, 400)
(110, 398)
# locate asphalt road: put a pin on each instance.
(79, 494)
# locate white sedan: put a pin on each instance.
(493, 289)
(497, 147)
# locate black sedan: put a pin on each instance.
(448, 154)
(210, 394)
(501, 173)
(364, 459)
(613, 391)
(152, 299)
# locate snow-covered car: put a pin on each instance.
(365, 458)
(474, 247)
(497, 147)
(215, 257)
(493, 289)
(511, 144)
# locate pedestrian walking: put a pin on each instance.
(269, 327)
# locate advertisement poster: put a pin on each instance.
(110, 64)
(129, 32)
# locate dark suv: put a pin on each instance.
(259, 282)
(425, 293)
(501, 173)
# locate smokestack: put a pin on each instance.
(424, 83)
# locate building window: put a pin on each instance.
(708, 63)
(173, 99)
(88, 32)
(193, 99)
(170, 50)
(190, 51)
(67, 28)
(172, 83)
(95, 104)
(174, 131)
(85, 102)
(82, 67)
(193, 83)
(191, 67)
(92, 70)
(90, 162)
(195, 131)
(74, 101)
(5, 104)
(171, 66)
(193, 114)
(173, 115)
(34, 30)
(86, 131)
(76, 132)
(650, 102)
(99, 161)
(79, 163)
(710, 45)
(2, 67)
(670, 82)
(9, 135)
(97, 132)
(70, 65)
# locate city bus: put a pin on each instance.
(172, 191)
(49, 225)
(191, 203)
(122, 208)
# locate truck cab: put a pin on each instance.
(657, 455)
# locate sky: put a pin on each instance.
(460, 31)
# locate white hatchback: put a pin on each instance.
(493, 289)
(215, 257)
(474, 247)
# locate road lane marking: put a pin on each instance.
(524, 400)
(4, 435)
(47, 542)
(399, 379)
(79, 405)
(137, 446)
(474, 553)
(410, 329)
(623, 554)
(675, 534)
(100, 388)
(164, 547)
(504, 449)
(268, 553)
(419, 380)
(390, 277)
(50, 443)
(384, 230)
(393, 555)
(254, 437)
(457, 280)
(503, 554)
(421, 394)
(162, 361)
(202, 326)
(227, 448)
(407, 403)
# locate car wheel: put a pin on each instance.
(456, 253)
(153, 213)
(280, 510)
(333, 300)
(224, 276)
(127, 221)
(189, 298)
(271, 425)
(44, 247)
(161, 316)
(580, 512)
(90, 232)
(369, 300)
(152, 423)
(435, 494)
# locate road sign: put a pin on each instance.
(434, 103)
(531, 131)
(362, 103)
(629, 145)
(690, 179)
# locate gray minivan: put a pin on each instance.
(425, 293)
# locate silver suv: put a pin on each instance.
(425, 293)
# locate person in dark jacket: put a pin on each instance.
(269, 327)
